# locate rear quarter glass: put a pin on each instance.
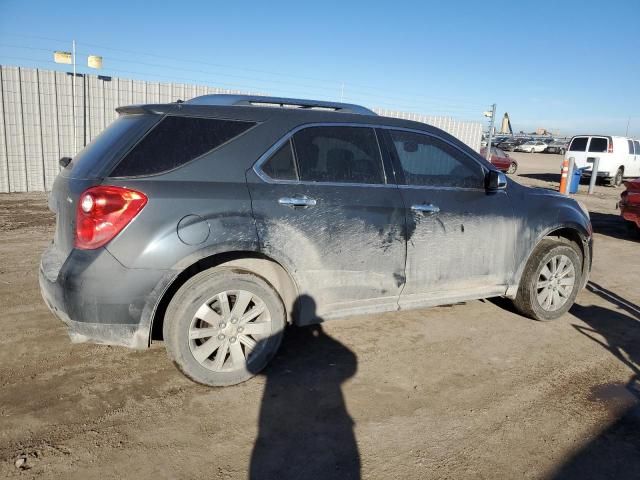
(175, 141)
(99, 156)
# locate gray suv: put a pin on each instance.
(211, 224)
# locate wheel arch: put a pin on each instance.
(255, 262)
(568, 232)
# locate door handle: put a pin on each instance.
(425, 208)
(297, 201)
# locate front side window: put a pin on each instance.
(579, 144)
(429, 161)
(598, 145)
(630, 143)
(636, 144)
(338, 154)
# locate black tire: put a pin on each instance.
(616, 180)
(562, 151)
(512, 168)
(526, 301)
(196, 293)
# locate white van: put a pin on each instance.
(619, 156)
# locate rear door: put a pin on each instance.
(601, 147)
(461, 238)
(326, 207)
(578, 150)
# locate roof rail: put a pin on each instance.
(261, 101)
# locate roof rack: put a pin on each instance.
(261, 101)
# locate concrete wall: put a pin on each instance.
(38, 109)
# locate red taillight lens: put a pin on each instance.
(103, 212)
(610, 148)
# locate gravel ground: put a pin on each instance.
(466, 391)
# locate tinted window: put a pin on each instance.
(175, 141)
(500, 153)
(630, 143)
(281, 165)
(429, 161)
(598, 144)
(578, 144)
(637, 145)
(107, 147)
(338, 154)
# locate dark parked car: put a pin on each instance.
(215, 222)
(510, 144)
(501, 160)
(557, 147)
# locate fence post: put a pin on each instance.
(594, 175)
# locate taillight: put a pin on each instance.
(103, 212)
(610, 148)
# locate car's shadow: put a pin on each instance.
(613, 226)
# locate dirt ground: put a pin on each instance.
(466, 391)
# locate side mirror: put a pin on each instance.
(496, 180)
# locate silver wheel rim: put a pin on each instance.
(555, 282)
(225, 333)
(512, 168)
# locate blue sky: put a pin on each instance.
(572, 66)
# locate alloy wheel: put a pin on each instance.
(226, 331)
(555, 282)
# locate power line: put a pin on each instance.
(441, 100)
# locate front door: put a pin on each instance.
(324, 208)
(460, 238)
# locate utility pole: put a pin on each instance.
(492, 115)
(73, 95)
(628, 122)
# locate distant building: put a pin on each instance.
(542, 131)
(506, 125)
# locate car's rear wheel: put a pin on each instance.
(531, 150)
(223, 326)
(616, 181)
(550, 281)
(512, 168)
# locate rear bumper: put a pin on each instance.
(97, 298)
(631, 213)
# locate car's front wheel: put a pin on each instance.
(512, 168)
(223, 326)
(550, 281)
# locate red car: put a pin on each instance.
(501, 160)
(630, 202)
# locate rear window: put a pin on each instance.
(97, 157)
(598, 145)
(579, 144)
(176, 141)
